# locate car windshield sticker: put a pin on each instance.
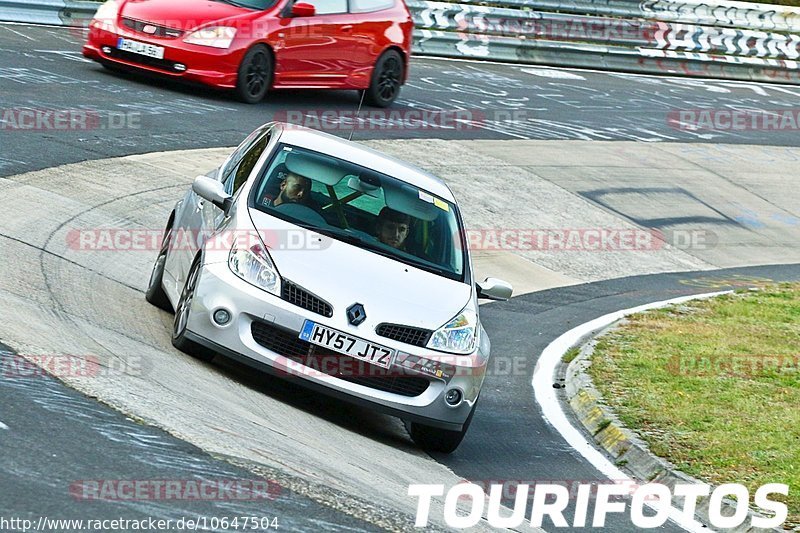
(441, 204)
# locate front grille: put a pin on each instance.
(300, 297)
(279, 340)
(160, 31)
(287, 343)
(406, 334)
(124, 55)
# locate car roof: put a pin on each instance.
(367, 157)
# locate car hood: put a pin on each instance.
(343, 274)
(181, 14)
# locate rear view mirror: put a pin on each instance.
(213, 191)
(303, 9)
(364, 186)
(494, 289)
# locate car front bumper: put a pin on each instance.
(202, 64)
(219, 288)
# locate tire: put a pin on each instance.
(439, 440)
(155, 291)
(182, 310)
(387, 77)
(255, 75)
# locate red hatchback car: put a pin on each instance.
(251, 46)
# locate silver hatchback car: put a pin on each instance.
(323, 261)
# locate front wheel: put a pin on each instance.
(387, 77)
(182, 312)
(155, 291)
(255, 75)
(433, 439)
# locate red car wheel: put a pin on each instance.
(255, 75)
(386, 79)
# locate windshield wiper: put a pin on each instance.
(356, 241)
(381, 250)
(230, 2)
(426, 266)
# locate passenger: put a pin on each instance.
(393, 227)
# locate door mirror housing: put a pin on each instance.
(303, 9)
(213, 191)
(494, 289)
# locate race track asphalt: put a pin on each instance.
(42, 68)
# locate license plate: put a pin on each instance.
(346, 344)
(143, 49)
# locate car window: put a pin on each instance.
(244, 160)
(328, 7)
(362, 207)
(367, 6)
(237, 154)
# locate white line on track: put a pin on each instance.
(773, 84)
(20, 34)
(551, 406)
(60, 37)
(32, 25)
(3, 426)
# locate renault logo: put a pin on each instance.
(356, 314)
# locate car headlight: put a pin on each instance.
(460, 335)
(215, 36)
(250, 261)
(105, 18)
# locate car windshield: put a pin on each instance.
(362, 207)
(252, 4)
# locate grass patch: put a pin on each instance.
(570, 355)
(713, 386)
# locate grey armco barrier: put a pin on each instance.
(727, 40)
(52, 12)
(716, 39)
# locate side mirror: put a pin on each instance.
(303, 9)
(213, 191)
(494, 289)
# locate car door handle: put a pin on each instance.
(347, 28)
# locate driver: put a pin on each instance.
(393, 227)
(294, 189)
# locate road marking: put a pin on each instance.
(613, 73)
(67, 54)
(30, 25)
(20, 34)
(545, 394)
(3, 426)
(553, 73)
